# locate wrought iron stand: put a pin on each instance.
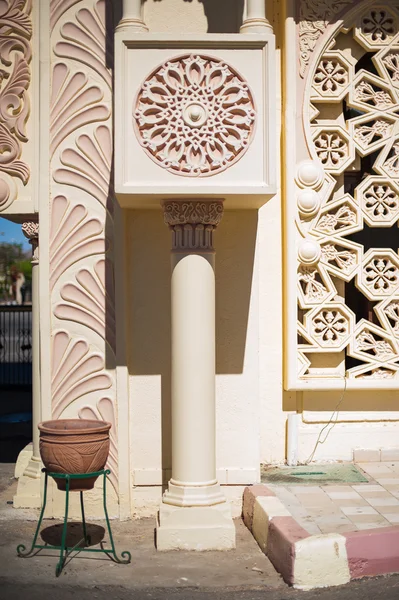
(64, 549)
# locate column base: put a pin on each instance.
(195, 528)
(23, 459)
(135, 25)
(29, 490)
(181, 494)
(256, 26)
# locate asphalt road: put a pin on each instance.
(382, 588)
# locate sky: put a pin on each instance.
(12, 232)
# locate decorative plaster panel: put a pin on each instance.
(196, 117)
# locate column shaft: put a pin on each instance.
(255, 20)
(132, 16)
(193, 369)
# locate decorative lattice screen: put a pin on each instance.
(342, 201)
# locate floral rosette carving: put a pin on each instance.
(194, 116)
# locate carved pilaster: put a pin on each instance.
(192, 223)
(30, 229)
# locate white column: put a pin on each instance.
(29, 484)
(194, 514)
(132, 16)
(255, 20)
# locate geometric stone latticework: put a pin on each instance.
(352, 130)
(194, 115)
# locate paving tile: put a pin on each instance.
(337, 528)
(383, 494)
(371, 525)
(377, 519)
(339, 519)
(336, 488)
(305, 489)
(387, 509)
(313, 500)
(383, 501)
(358, 510)
(362, 456)
(351, 502)
(375, 468)
(368, 487)
(318, 511)
(387, 481)
(392, 517)
(344, 495)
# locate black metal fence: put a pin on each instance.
(15, 345)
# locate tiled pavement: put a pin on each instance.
(343, 508)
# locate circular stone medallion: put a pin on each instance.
(194, 115)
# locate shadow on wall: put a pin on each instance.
(148, 300)
(222, 16)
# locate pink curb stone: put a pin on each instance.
(250, 495)
(373, 551)
(282, 535)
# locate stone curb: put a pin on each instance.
(308, 561)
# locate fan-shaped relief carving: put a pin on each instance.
(15, 55)
(194, 115)
(76, 371)
(89, 300)
(88, 165)
(74, 235)
(105, 410)
(84, 40)
(58, 8)
(75, 102)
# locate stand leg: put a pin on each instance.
(61, 561)
(21, 547)
(126, 556)
(85, 536)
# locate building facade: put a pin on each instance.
(265, 137)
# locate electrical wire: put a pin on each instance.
(336, 411)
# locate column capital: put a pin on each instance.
(192, 222)
(30, 229)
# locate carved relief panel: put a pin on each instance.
(15, 105)
(342, 200)
(81, 216)
(196, 116)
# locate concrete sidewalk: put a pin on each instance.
(330, 534)
(245, 568)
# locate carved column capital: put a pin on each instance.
(30, 229)
(192, 223)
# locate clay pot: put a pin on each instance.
(74, 446)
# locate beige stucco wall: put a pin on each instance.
(252, 407)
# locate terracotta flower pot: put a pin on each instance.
(74, 446)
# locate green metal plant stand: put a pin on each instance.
(64, 549)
